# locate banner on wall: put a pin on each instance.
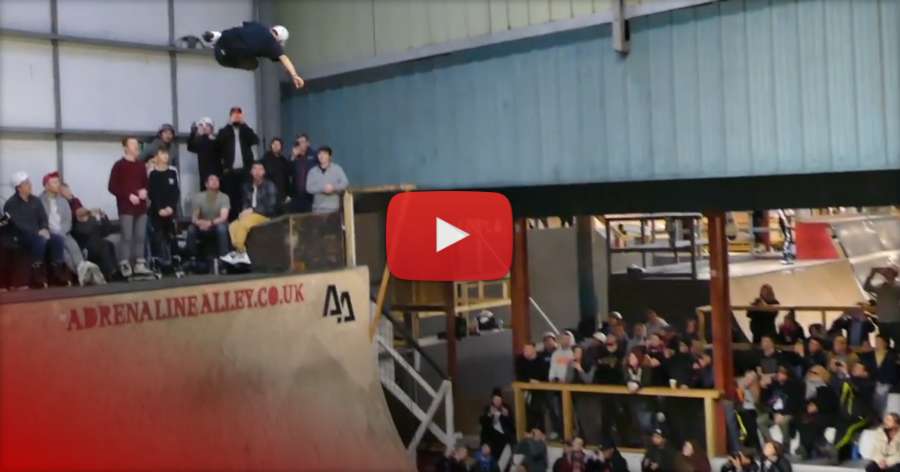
(268, 374)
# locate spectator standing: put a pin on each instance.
(529, 368)
(692, 459)
(882, 362)
(855, 325)
(638, 373)
(886, 447)
(764, 312)
(658, 457)
(533, 450)
(278, 169)
(782, 399)
(165, 195)
(773, 459)
(260, 204)
(163, 141)
(326, 182)
(59, 220)
(202, 142)
(789, 332)
(573, 458)
(303, 159)
(456, 460)
(638, 337)
(856, 392)
(562, 358)
(887, 299)
(234, 143)
(655, 323)
(691, 330)
(497, 428)
(769, 358)
(128, 183)
(30, 220)
(209, 219)
(749, 393)
(814, 354)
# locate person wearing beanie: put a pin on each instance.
(163, 140)
(658, 457)
(239, 47)
(202, 142)
(59, 218)
(128, 183)
(30, 220)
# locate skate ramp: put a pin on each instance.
(273, 374)
(831, 283)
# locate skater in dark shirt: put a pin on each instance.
(239, 47)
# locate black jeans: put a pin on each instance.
(227, 55)
(232, 183)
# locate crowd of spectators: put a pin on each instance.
(800, 381)
(55, 240)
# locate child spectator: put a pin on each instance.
(164, 195)
(485, 460)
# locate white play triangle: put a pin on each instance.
(447, 235)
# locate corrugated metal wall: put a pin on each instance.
(335, 31)
(737, 88)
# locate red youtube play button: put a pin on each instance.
(444, 236)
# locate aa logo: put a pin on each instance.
(339, 306)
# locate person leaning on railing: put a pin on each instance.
(887, 298)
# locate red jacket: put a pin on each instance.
(125, 179)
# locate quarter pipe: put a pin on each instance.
(271, 374)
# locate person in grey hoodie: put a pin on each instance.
(59, 217)
(163, 140)
(326, 182)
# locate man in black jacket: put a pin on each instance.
(278, 169)
(30, 220)
(202, 142)
(303, 158)
(260, 201)
(235, 143)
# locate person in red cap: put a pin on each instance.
(59, 218)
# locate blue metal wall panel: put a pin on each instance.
(738, 88)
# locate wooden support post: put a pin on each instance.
(379, 301)
(519, 402)
(723, 363)
(519, 297)
(450, 310)
(568, 413)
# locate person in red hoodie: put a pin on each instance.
(128, 183)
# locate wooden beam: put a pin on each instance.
(379, 301)
(519, 296)
(699, 393)
(723, 360)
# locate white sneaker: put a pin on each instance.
(243, 258)
(125, 269)
(230, 258)
(140, 268)
(211, 37)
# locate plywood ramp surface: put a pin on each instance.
(264, 375)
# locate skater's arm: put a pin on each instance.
(291, 70)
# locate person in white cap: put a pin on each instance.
(202, 142)
(239, 47)
(30, 220)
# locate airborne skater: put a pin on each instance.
(239, 47)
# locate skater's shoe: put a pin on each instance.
(38, 276)
(125, 269)
(210, 37)
(141, 269)
(236, 258)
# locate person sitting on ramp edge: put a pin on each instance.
(239, 47)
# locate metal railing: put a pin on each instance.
(708, 396)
